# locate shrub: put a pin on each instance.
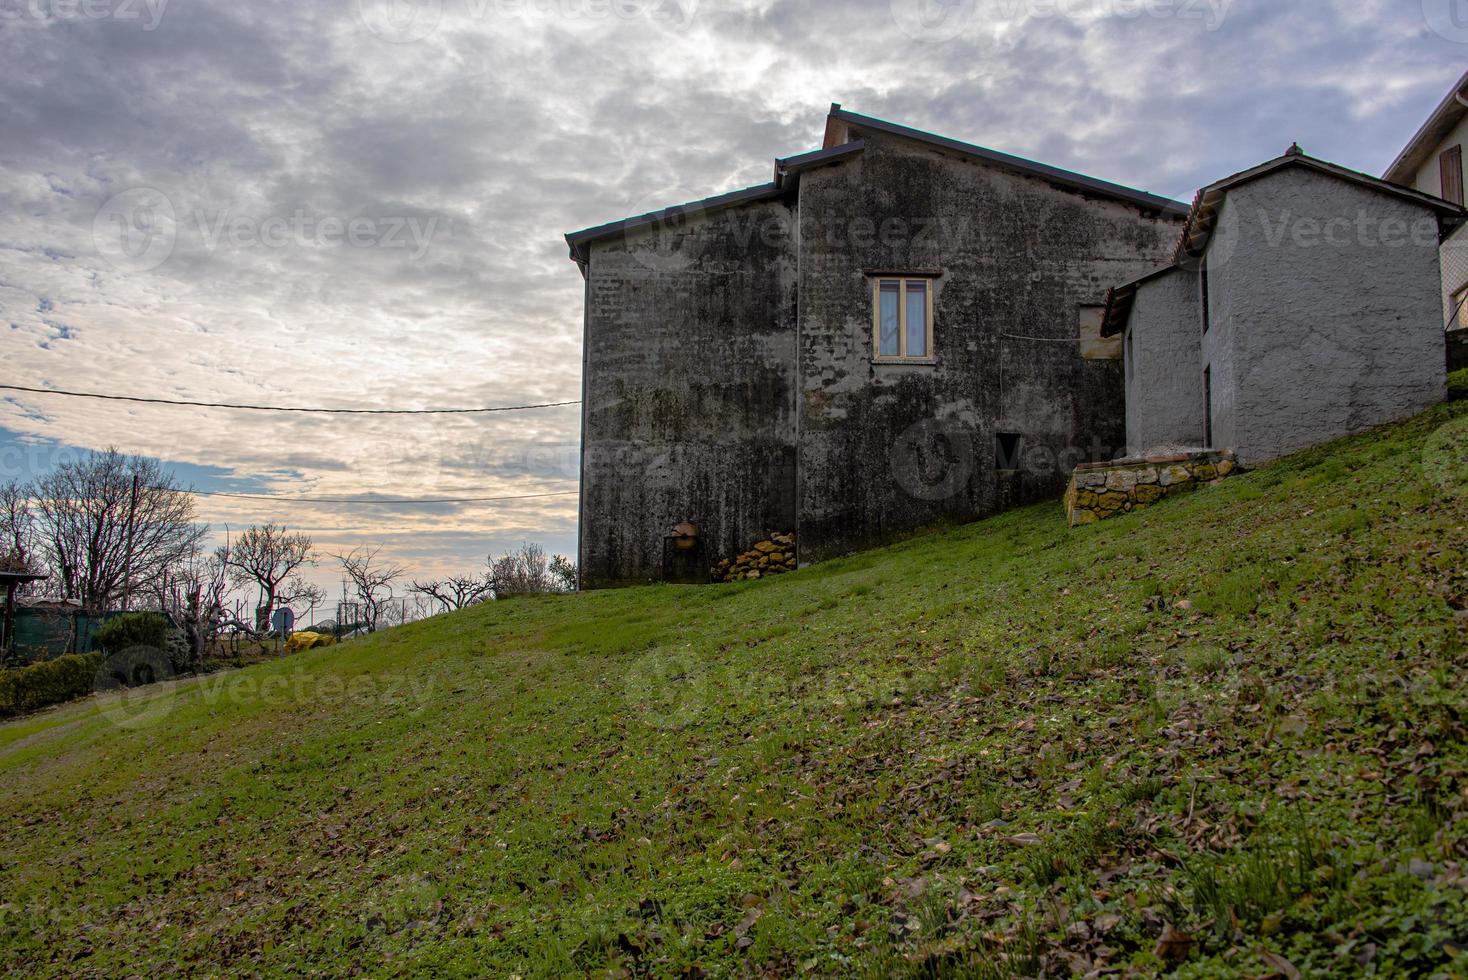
(144, 629)
(1458, 385)
(48, 682)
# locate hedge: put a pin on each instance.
(48, 682)
(144, 629)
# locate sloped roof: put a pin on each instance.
(1055, 175)
(1443, 120)
(1203, 218)
(789, 169)
(787, 178)
(1119, 300)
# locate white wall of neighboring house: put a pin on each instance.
(1455, 249)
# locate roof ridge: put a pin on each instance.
(1055, 174)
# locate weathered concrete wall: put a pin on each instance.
(888, 449)
(690, 388)
(1457, 341)
(1163, 351)
(1324, 313)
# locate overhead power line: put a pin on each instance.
(367, 501)
(285, 408)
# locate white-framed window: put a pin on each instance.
(902, 319)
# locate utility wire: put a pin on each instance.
(279, 408)
(276, 498)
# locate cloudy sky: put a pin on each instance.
(360, 203)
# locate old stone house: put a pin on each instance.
(899, 329)
(1302, 304)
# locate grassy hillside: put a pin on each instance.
(1233, 723)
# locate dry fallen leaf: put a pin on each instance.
(1279, 965)
(1173, 946)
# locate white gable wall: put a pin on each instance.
(1325, 314)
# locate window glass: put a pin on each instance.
(890, 327)
(917, 318)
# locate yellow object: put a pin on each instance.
(308, 641)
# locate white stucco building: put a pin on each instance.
(1302, 305)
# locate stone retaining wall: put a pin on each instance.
(1099, 491)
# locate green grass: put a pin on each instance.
(990, 751)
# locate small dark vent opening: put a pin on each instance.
(1009, 449)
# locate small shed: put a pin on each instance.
(14, 574)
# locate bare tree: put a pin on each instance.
(110, 523)
(456, 592)
(201, 605)
(17, 524)
(266, 556)
(371, 581)
(300, 592)
(521, 572)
